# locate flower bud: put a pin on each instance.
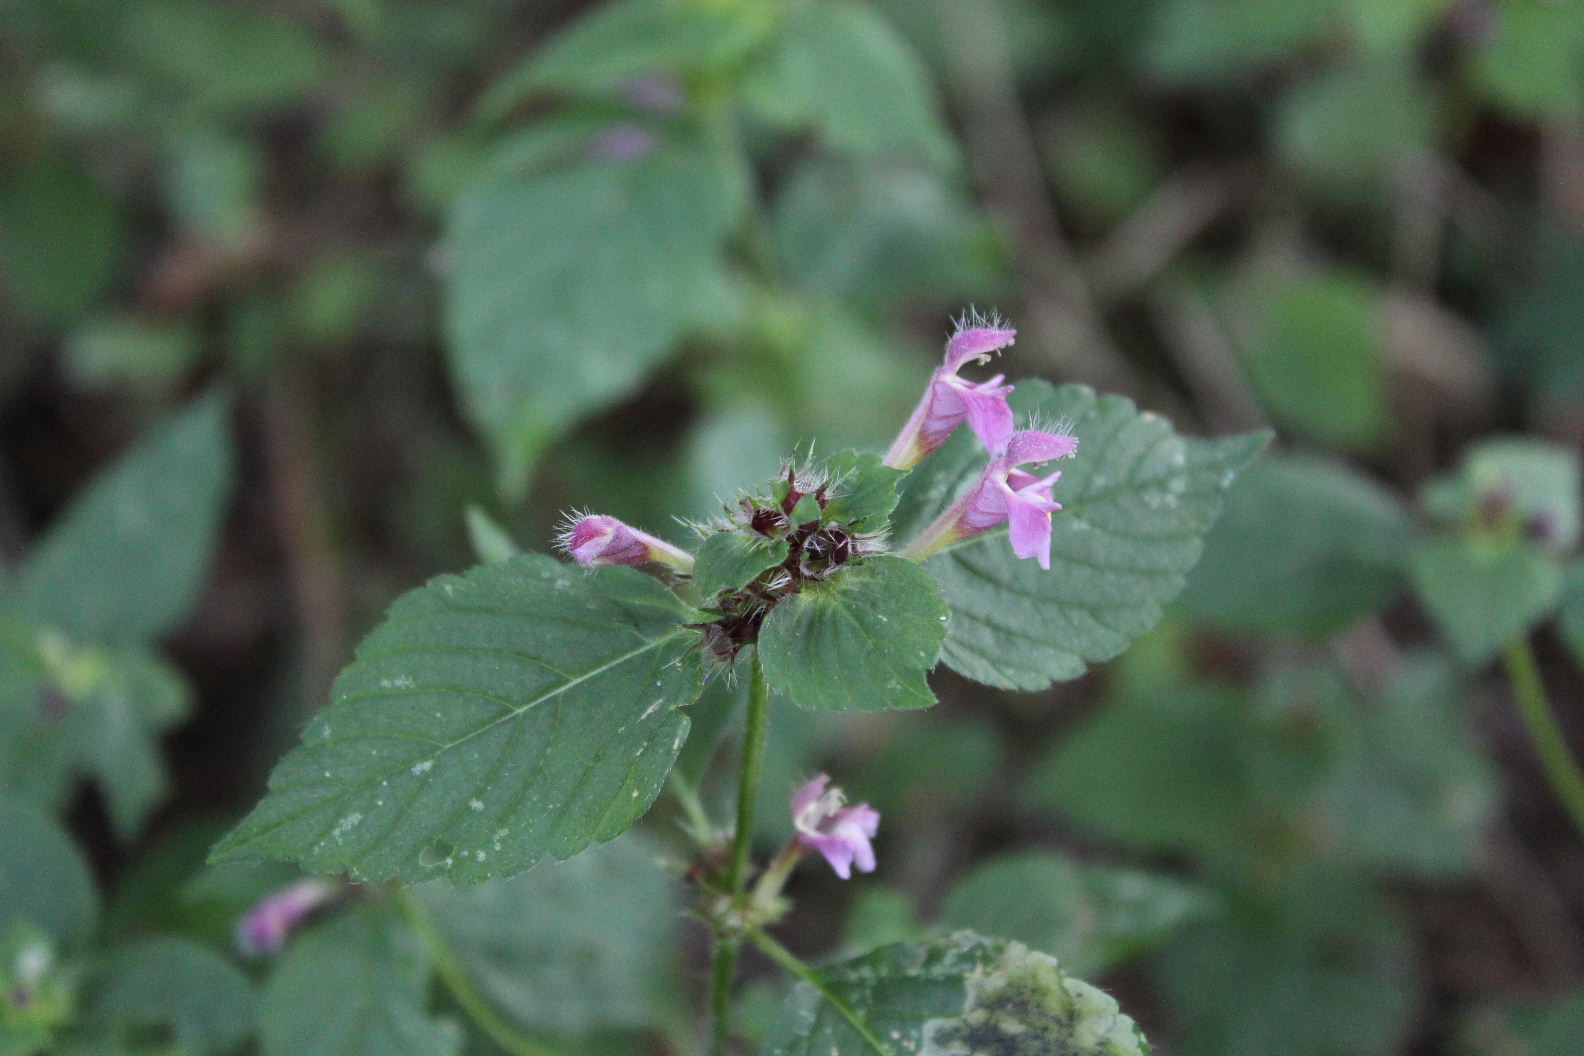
(596, 540)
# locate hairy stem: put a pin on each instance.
(1561, 769)
(477, 1008)
(788, 960)
(754, 736)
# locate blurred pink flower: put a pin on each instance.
(265, 928)
(824, 823)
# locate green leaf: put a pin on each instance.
(491, 542)
(1322, 967)
(572, 280)
(1320, 133)
(129, 350)
(1571, 621)
(528, 708)
(1138, 500)
(839, 69)
(960, 996)
(879, 235)
(204, 1001)
(570, 947)
(1484, 593)
(44, 879)
(1159, 769)
(1528, 64)
(1315, 355)
(61, 237)
(1535, 1028)
(226, 59)
(732, 559)
(1090, 916)
(1411, 791)
(125, 561)
(620, 41)
(355, 986)
(863, 491)
(1305, 546)
(865, 638)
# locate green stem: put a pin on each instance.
(748, 781)
(789, 960)
(724, 970)
(1561, 769)
(473, 1003)
(754, 738)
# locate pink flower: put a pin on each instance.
(826, 824)
(1005, 494)
(265, 928)
(596, 540)
(950, 400)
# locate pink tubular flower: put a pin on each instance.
(950, 400)
(596, 540)
(826, 824)
(1005, 494)
(265, 928)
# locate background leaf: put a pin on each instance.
(1090, 916)
(158, 511)
(529, 708)
(49, 887)
(355, 986)
(1304, 546)
(1483, 593)
(570, 947)
(204, 1001)
(573, 279)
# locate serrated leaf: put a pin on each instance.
(355, 986)
(1090, 916)
(126, 559)
(573, 279)
(570, 947)
(863, 493)
(1138, 500)
(839, 69)
(1304, 546)
(201, 998)
(1482, 593)
(524, 710)
(44, 879)
(965, 995)
(865, 638)
(621, 41)
(729, 560)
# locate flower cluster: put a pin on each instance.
(1004, 493)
